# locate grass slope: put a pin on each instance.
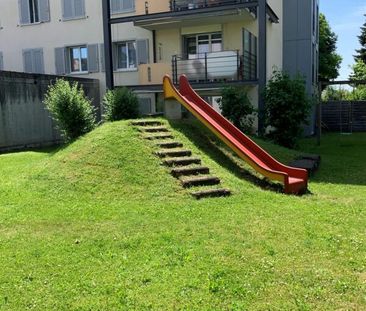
(101, 225)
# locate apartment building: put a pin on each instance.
(213, 42)
(65, 37)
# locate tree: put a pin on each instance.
(119, 104)
(236, 106)
(361, 53)
(287, 108)
(70, 108)
(329, 60)
(359, 74)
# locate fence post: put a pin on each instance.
(206, 75)
(319, 114)
(238, 65)
(175, 69)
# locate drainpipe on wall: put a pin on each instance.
(262, 62)
(107, 34)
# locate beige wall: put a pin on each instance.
(154, 6)
(168, 43)
(157, 72)
(274, 39)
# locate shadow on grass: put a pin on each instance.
(51, 150)
(343, 158)
(206, 142)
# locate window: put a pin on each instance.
(198, 45)
(78, 59)
(34, 11)
(126, 55)
(249, 55)
(33, 61)
(73, 9)
(1, 61)
(122, 6)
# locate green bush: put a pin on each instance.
(236, 107)
(287, 108)
(70, 108)
(120, 104)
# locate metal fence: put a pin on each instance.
(344, 116)
(179, 5)
(215, 67)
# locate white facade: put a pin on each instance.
(33, 43)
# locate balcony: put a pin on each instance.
(215, 67)
(181, 5)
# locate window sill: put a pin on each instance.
(31, 24)
(73, 18)
(127, 70)
(123, 12)
(79, 73)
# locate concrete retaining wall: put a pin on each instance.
(24, 121)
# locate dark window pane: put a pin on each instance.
(122, 56)
(84, 58)
(132, 54)
(75, 59)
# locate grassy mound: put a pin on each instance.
(101, 225)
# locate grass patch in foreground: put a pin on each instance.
(101, 225)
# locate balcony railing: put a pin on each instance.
(215, 67)
(179, 5)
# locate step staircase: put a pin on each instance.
(184, 166)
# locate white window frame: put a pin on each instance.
(118, 44)
(122, 11)
(70, 59)
(198, 40)
(74, 16)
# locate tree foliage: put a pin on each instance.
(329, 60)
(333, 93)
(361, 53)
(287, 108)
(70, 108)
(120, 103)
(236, 107)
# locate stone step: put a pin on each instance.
(210, 193)
(153, 129)
(173, 153)
(187, 171)
(146, 122)
(184, 161)
(159, 136)
(199, 181)
(169, 144)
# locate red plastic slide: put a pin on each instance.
(295, 180)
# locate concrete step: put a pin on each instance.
(159, 136)
(188, 171)
(173, 153)
(169, 144)
(153, 129)
(146, 122)
(183, 161)
(205, 180)
(210, 193)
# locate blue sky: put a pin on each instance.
(345, 18)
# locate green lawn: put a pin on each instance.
(101, 225)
